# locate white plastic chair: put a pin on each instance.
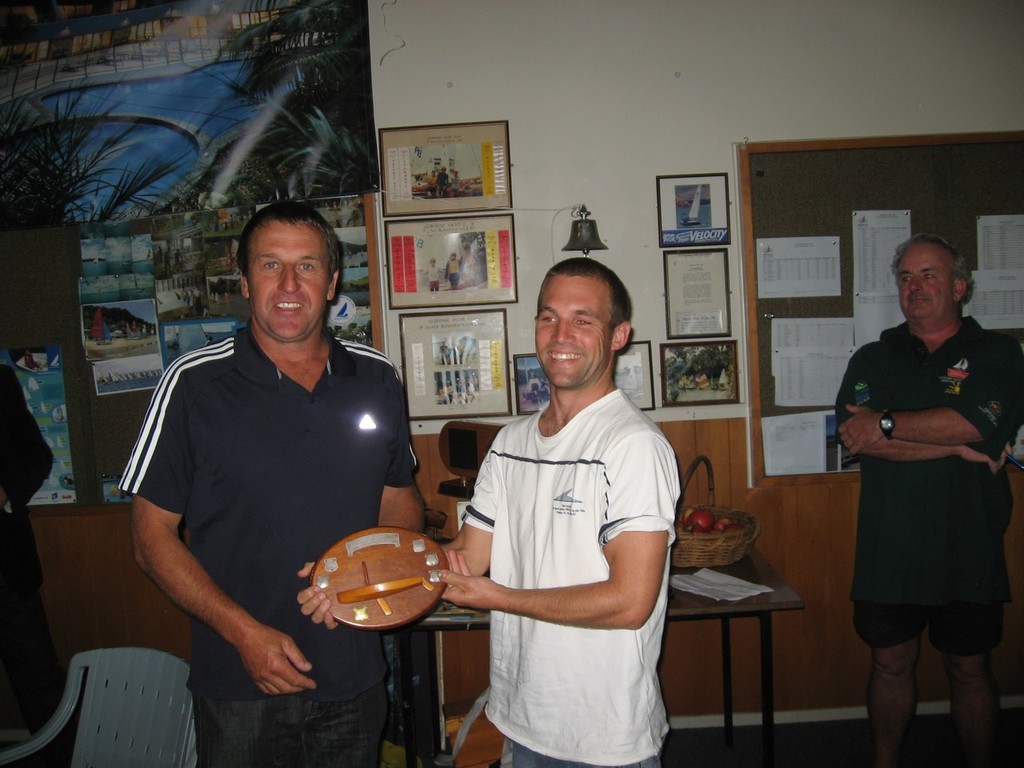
(135, 712)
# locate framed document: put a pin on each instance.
(455, 364)
(696, 293)
(633, 374)
(693, 210)
(445, 168)
(451, 261)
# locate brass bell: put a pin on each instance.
(583, 235)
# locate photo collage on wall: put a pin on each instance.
(154, 289)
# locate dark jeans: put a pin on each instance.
(290, 732)
(522, 757)
(37, 678)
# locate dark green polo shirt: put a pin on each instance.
(931, 532)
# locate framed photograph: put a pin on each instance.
(698, 373)
(693, 210)
(696, 293)
(532, 389)
(431, 169)
(633, 374)
(451, 261)
(455, 364)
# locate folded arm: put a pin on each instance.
(929, 433)
(933, 433)
(624, 600)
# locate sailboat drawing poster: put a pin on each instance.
(693, 210)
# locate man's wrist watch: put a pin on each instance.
(887, 425)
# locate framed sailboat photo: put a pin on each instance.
(693, 210)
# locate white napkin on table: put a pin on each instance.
(718, 586)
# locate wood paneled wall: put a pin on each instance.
(96, 596)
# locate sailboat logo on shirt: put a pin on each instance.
(959, 370)
(565, 504)
(955, 376)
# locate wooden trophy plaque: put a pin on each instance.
(381, 578)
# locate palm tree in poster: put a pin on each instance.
(304, 67)
(63, 168)
(308, 64)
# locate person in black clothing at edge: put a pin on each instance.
(26, 647)
(931, 409)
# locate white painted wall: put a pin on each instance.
(602, 96)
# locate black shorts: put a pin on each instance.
(961, 629)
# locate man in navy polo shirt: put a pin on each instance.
(271, 446)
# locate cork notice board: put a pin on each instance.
(810, 188)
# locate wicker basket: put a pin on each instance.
(708, 549)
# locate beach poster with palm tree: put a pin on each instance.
(134, 109)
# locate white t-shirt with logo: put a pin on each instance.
(589, 695)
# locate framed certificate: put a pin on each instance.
(451, 261)
(633, 374)
(455, 364)
(432, 169)
(696, 293)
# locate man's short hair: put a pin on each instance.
(297, 214)
(961, 269)
(582, 266)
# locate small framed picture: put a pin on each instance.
(432, 169)
(455, 364)
(532, 389)
(696, 293)
(633, 374)
(451, 261)
(699, 373)
(693, 210)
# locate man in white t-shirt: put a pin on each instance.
(572, 518)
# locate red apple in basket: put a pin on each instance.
(723, 523)
(700, 520)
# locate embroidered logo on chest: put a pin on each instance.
(993, 410)
(955, 377)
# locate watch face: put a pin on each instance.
(886, 424)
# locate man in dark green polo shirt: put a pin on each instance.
(930, 409)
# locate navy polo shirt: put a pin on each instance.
(931, 532)
(267, 476)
